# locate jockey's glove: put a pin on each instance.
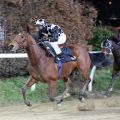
(52, 39)
(43, 39)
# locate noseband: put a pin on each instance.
(21, 42)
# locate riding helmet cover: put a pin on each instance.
(41, 23)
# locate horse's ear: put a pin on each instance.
(27, 29)
(24, 27)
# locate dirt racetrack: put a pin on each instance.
(102, 109)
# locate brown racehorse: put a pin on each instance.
(43, 68)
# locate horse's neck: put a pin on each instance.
(116, 52)
(34, 51)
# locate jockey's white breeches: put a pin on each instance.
(61, 40)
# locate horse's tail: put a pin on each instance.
(33, 87)
(92, 72)
(98, 59)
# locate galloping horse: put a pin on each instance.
(111, 45)
(43, 68)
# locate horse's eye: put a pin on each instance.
(108, 44)
(22, 37)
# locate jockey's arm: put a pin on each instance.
(40, 37)
(37, 36)
(54, 34)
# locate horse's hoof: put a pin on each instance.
(60, 101)
(107, 94)
(82, 99)
(66, 95)
(51, 99)
(28, 103)
(59, 105)
(81, 96)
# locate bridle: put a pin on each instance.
(108, 45)
(21, 42)
(26, 39)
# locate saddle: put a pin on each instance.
(66, 56)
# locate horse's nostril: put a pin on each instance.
(10, 47)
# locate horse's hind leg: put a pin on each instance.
(67, 82)
(29, 83)
(85, 75)
(52, 90)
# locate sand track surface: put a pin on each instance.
(98, 109)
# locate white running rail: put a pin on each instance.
(13, 55)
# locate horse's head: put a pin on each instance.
(107, 46)
(20, 41)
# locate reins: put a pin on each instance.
(116, 48)
(26, 39)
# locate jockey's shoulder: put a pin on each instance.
(51, 26)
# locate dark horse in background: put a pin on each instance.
(43, 68)
(111, 45)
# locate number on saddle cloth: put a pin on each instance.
(67, 55)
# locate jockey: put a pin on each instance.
(55, 35)
(118, 36)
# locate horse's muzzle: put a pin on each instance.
(13, 48)
(10, 47)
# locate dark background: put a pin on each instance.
(108, 11)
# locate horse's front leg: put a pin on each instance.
(111, 84)
(29, 83)
(52, 89)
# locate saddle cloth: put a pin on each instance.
(67, 55)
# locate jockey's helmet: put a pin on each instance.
(41, 23)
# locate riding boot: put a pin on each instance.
(52, 51)
(58, 57)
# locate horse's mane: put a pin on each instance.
(114, 39)
(116, 48)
